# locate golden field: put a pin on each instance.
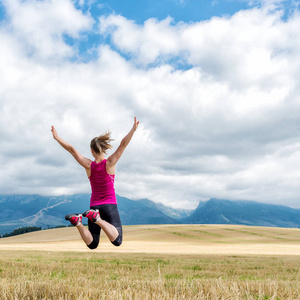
(154, 262)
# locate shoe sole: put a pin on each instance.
(68, 217)
(86, 212)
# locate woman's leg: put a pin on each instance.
(109, 229)
(107, 219)
(85, 234)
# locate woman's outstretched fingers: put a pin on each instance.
(53, 130)
(136, 123)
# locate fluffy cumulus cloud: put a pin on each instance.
(41, 25)
(218, 102)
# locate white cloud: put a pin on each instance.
(146, 42)
(247, 48)
(225, 126)
(41, 25)
(81, 2)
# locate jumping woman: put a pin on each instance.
(103, 212)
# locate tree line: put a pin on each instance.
(22, 230)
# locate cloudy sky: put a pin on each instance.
(215, 85)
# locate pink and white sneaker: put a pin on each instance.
(92, 214)
(75, 219)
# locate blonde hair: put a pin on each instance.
(101, 143)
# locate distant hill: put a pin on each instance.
(216, 211)
(35, 210)
(42, 211)
(142, 212)
(173, 213)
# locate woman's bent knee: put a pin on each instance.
(93, 245)
(118, 241)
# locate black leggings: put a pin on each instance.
(110, 214)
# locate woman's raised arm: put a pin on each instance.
(83, 161)
(113, 159)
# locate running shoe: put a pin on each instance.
(92, 214)
(75, 219)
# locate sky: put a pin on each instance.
(214, 84)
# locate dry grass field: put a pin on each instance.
(155, 262)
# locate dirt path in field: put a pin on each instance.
(173, 239)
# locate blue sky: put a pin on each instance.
(185, 10)
(215, 85)
(140, 11)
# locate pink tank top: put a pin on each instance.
(102, 184)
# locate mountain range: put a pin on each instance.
(48, 211)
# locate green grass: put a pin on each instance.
(71, 275)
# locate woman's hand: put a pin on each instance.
(135, 124)
(53, 130)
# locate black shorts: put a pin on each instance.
(110, 214)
